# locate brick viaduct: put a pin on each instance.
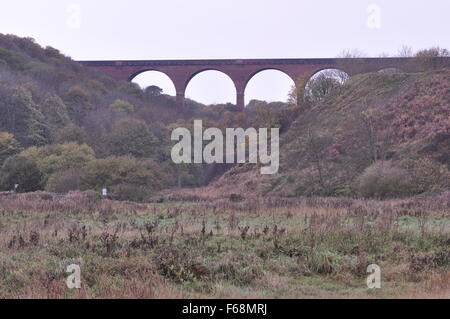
(241, 71)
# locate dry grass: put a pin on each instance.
(222, 247)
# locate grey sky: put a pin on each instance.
(186, 29)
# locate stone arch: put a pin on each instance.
(200, 71)
(335, 72)
(254, 74)
(334, 68)
(164, 74)
(140, 71)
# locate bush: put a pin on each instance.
(427, 174)
(122, 106)
(383, 180)
(64, 181)
(118, 173)
(21, 171)
(51, 159)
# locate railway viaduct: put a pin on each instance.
(242, 70)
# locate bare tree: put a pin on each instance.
(405, 52)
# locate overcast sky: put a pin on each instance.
(215, 29)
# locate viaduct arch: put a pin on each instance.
(242, 70)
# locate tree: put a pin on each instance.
(153, 90)
(131, 137)
(324, 83)
(55, 111)
(369, 118)
(71, 133)
(405, 52)
(51, 159)
(78, 102)
(9, 146)
(351, 54)
(316, 145)
(21, 117)
(122, 106)
(429, 58)
(21, 171)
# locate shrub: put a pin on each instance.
(383, 180)
(427, 174)
(21, 171)
(118, 173)
(64, 181)
(122, 106)
(51, 159)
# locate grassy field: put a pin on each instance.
(228, 248)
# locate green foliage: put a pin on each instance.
(77, 95)
(21, 117)
(12, 59)
(122, 106)
(64, 181)
(269, 117)
(22, 171)
(9, 146)
(41, 71)
(131, 137)
(383, 180)
(55, 110)
(153, 90)
(343, 191)
(124, 170)
(71, 133)
(323, 84)
(78, 102)
(53, 158)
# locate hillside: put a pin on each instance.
(64, 127)
(400, 120)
